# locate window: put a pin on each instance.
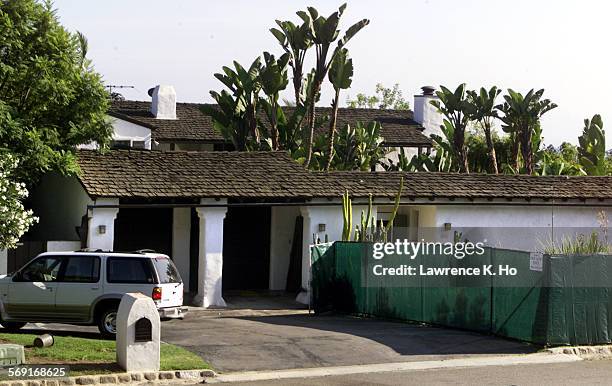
(138, 144)
(129, 270)
(120, 144)
(44, 269)
(82, 269)
(166, 271)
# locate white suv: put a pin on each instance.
(86, 287)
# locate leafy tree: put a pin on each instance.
(356, 147)
(51, 99)
(521, 119)
(454, 106)
(324, 32)
(481, 109)
(273, 80)
(384, 98)
(592, 149)
(14, 219)
(296, 41)
(559, 161)
(341, 77)
(236, 115)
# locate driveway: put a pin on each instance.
(257, 333)
(242, 340)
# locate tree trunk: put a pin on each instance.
(527, 152)
(274, 127)
(491, 147)
(515, 151)
(311, 121)
(459, 145)
(332, 130)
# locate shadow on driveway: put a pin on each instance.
(270, 342)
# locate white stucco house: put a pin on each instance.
(237, 221)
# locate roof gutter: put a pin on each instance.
(376, 203)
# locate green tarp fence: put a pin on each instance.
(568, 302)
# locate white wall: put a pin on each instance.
(282, 226)
(63, 246)
(102, 217)
(331, 216)
(60, 203)
(124, 130)
(525, 227)
(181, 235)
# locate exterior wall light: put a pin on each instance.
(321, 227)
(447, 226)
(101, 229)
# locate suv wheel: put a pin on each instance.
(107, 322)
(12, 326)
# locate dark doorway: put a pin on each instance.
(246, 248)
(144, 229)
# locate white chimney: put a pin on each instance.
(426, 114)
(163, 105)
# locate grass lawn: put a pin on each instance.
(93, 356)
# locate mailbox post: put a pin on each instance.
(138, 333)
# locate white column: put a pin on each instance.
(101, 229)
(210, 269)
(304, 295)
(181, 237)
(3, 261)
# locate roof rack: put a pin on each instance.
(143, 251)
(91, 250)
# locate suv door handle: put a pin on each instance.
(95, 288)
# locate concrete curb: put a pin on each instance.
(589, 352)
(149, 377)
(501, 360)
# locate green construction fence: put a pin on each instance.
(568, 302)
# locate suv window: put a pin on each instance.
(82, 269)
(166, 271)
(45, 269)
(129, 270)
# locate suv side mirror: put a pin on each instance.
(17, 276)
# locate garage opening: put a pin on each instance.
(246, 248)
(149, 228)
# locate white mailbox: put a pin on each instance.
(138, 333)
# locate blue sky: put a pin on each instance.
(562, 46)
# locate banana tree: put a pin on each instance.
(236, 117)
(296, 41)
(592, 147)
(521, 118)
(341, 77)
(454, 106)
(273, 76)
(482, 109)
(324, 32)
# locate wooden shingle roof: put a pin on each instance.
(275, 176)
(398, 127)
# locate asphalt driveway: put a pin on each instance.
(257, 333)
(258, 340)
